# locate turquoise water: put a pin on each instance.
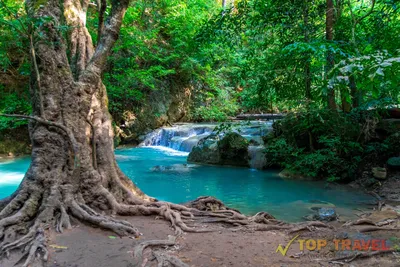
(247, 190)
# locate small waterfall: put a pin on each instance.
(257, 157)
(184, 137)
(180, 137)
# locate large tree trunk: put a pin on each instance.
(73, 170)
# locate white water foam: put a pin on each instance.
(169, 151)
(12, 178)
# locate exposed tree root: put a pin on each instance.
(162, 258)
(263, 227)
(310, 226)
(359, 222)
(38, 246)
(377, 228)
(138, 250)
(350, 258)
(56, 207)
(370, 222)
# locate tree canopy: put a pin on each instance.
(246, 56)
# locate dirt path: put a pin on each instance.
(84, 246)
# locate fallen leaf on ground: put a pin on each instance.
(58, 247)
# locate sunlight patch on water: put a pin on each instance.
(13, 178)
(126, 157)
(169, 151)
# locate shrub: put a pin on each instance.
(328, 144)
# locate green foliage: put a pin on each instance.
(254, 56)
(157, 55)
(14, 64)
(279, 48)
(378, 75)
(13, 103)
(215, 108)
(328, 144)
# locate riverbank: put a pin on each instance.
(227, 246)
(163, 173)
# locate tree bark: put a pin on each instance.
(346, 105)
(330, 61)
(73, 170)
(307, 64)
(357, 94)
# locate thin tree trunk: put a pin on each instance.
(346, 104)
(357, 94)
(330, 61)
(307, 65)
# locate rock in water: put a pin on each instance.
(326, 214)
(232, 150)
(206, 151)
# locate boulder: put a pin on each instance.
(325, 214)
(233, 150)
(379, 173)
(206, 151)
(230, 150)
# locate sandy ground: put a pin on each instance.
(84, 246)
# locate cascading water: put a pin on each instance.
(181, 137)
(184, 137)
(257, 158)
